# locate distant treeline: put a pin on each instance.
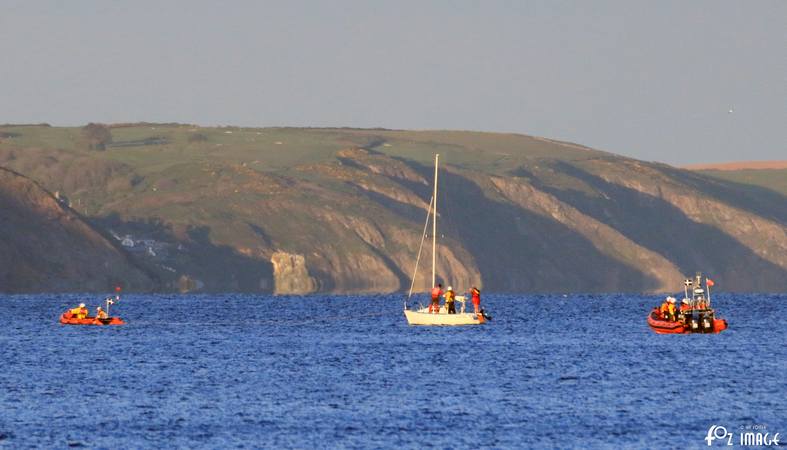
(149, 124)
(25, 125)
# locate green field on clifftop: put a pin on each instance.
(773, 179)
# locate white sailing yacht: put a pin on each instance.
(421, 315)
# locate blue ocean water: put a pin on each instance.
(549, 371)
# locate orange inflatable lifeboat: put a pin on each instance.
(67, 318)
(695, 314)
(701, 322)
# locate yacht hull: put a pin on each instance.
(424, 317)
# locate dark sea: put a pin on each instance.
(243, 371)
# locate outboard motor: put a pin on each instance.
(706, 321)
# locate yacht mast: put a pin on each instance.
(434, 223)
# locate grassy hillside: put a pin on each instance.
(256, 209)
(773, 179)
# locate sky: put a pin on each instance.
(680, 82)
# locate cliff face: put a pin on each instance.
(662, 273)
(765, 238)
(297, 211)
(290, 275)
(46, 247)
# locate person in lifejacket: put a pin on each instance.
(101, 314)
(685, 305)
(476, 297)
(437, 291)
(664, 307)
(450, 296)
(699, 298)
(672, 309)
(668, 309)
(80, 312)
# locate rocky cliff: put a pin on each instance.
(44, 246)
(340, 210)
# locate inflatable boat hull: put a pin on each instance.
(667, 327)
(70, 319)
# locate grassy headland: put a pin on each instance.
(305, 209)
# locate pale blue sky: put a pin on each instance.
(654, 80)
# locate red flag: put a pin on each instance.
(709, 282)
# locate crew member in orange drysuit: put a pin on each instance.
(476, 298)
(437, 291)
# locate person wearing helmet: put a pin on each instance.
(668, 309)
(83, 311)
(100, 313)
(450, 296)
(699, 298)
(664, 307)
(671, 309)
(685, 305)
(80, 312)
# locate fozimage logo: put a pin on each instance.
(718, 432)
(749, 436)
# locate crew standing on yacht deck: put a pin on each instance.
(450, 296)
(437, 291)
(476, 294)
